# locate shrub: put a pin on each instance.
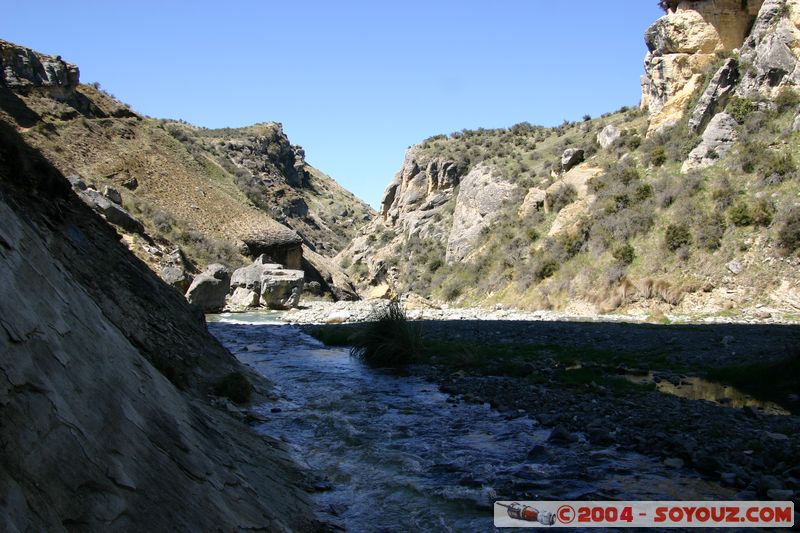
(235, 386)
(561, 198)
(389, 339)
(760, 214)
(789, 233)
(677, 236)
(710, 231)
(739, 108)
(658, 156)
(625, 254)
(739, 214)
(787, 99)
(544, 267)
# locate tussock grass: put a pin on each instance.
(388, 339)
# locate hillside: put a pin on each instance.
(202, 195)
(113, 418)
(685, 205)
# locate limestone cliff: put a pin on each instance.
(683, 44)
(105, 377)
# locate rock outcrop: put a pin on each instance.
(608, 135)
(210, 288)
(23, 70)
(716, 95)
(772, 50)
(105, 374)
(681, 47)
(421, 183)
(480, 197)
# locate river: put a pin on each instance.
(397, 454)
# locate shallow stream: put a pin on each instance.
(396, 454)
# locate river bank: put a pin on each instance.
(608, 383)
(417, 308)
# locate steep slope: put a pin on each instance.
(687, 205)
(217, 196)
(105, 376)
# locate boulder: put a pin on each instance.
(173, 270)
(570, 158)
(281, 289)
(534, 201)
(210, 288)
(175, 276)
(608, 135)
(796, 124)
(77, 183)
(718, 139)
(249, 277)
(716, 95)
(112, 194)
(264, 284)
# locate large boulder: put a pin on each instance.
(281, 289)
(608, 135)
(570, 158)
(718, 139)
(113, 213)
(209, 288)
(264, 284)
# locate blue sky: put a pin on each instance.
(354, 82)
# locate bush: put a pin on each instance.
(677, 236)
(389, 339)
(710, 231)
(743, 214)
(236, 387)
(625, 254)
(740, 108)
(739, 214)
(787, 99)
(562, 198)
(789, 233)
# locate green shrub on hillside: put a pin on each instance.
(740, 108)
(788, 99)
(789, 232)
(561, 198)
(625, 254)
(677, 236)
(758, 214)
(709, 231)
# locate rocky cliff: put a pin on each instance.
(108, 417)
(685, 205)
(693, 35)
(202, 196)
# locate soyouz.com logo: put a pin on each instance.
(662, 514)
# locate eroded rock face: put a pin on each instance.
(718, 139)
(420, 182)
(682, 45)
(23, 69)
(479, 199)
(715, 96)
(772, 50)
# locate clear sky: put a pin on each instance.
(354, 82)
